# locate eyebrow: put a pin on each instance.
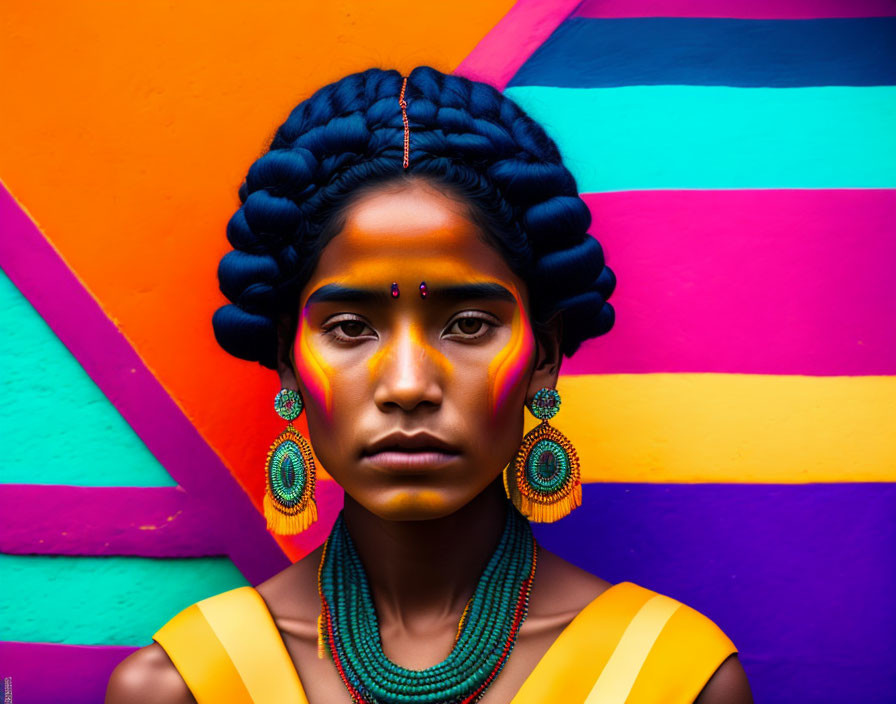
(464, 292)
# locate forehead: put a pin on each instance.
(410, 233)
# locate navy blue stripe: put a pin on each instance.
(801, 577)
(599, 53)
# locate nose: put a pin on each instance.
(409, 373)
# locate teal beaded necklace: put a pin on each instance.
(486, 634)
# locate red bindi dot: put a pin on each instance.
(394, 289)
(423, 290)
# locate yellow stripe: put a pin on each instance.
(248, 633)
(619, 674)
(201, 659)
(730, 427)
(684, 657)
(566, 672)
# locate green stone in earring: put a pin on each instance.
(288, 404)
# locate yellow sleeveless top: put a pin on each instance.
(630, 645)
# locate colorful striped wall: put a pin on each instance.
(737, 426)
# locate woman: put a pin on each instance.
(413, 259)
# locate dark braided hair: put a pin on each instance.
(467, 138)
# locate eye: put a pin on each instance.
(348, 330)
(471, 327)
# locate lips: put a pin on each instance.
(415, 451)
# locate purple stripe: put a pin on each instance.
(752, 282)
(47, 673)
(75, 520)
(740, 9)
(800, 576)
(42, 276)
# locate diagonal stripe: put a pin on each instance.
(562, 674)
(674, 137)
(43, 277)
(93, 445)
(208, 671)
(730, 427)
(690, 643)
(261, 660)
(746, 9)
(507, 46)
(592, 53)
(757, 282)
(621, 670)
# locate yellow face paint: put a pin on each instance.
(310, 367)
(509, 365)
(416, 499)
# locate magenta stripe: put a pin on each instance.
(753, 282)
(743, 9)
(77, 520)
(513, 40)
(48, 673)
(42, 276)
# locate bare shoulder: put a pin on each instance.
(728, 685)
(563, 588)
(147, 676)
(292, 598)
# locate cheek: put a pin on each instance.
(508, 368)
(314, 372)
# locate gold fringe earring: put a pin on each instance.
(545, 483)
(289, 505)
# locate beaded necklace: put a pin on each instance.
(486, 633)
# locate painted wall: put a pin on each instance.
(737, 426)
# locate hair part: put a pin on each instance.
(467, 139)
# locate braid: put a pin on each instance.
(463, 134)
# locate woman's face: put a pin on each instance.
(415, 403)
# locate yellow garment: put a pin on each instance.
(630, 645)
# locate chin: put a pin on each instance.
(412, 504)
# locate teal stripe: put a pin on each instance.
(700, 137)
(103, 600)
(56, 426)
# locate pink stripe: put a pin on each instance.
(740, 9)
(513, 40)
(753, 282)
(45, 280)
(48, 673)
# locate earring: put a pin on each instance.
(545, 483)
(289, 505)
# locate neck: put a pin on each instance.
(427, 568)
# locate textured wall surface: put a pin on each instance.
(737, 426)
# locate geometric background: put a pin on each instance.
(737, 426)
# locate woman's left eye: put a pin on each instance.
(470, 327)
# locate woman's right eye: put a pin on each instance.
(349, 329)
